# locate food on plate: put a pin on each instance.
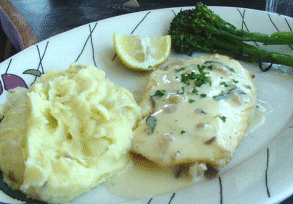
(144, 178)
(196, 110)
(66, 134)
(200, 29)
(142, 53)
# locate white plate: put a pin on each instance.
(260, 172)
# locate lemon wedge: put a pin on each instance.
(142, 53)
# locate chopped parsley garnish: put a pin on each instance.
(202, 111)
(224, 84)
(223, 118)
(185, 78)
(230, 69)
(191, 101)
(235, 81)
(210, 67)
(199, 79)
(151, 122)
(231, 90)
(224, 65)
(203, 95)
(221, 96)
(182, 132)
(182, 91)
(159, 93)
(180, 69)
(150, 66)
(194, 90)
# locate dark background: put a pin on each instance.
(50, 17)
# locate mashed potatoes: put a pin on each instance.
(66, 134)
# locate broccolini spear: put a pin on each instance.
(200, 29)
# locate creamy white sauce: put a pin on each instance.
(144, 178)
(262, 109)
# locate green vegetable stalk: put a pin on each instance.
(200, 29)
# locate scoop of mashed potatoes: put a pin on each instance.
(66, 134)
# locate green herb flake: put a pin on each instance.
(235, 81)
(203, 95)
(203, 112)
(150, 66)
(213, 62)
(230, 69)
(194, 90)
(220, 63)
(224, 84)
(223, 118)
(221, 96)
(185, 79)
(191, 101)
(231, 90)
(159, 93)
(180, 69)
(151, 122)
(182, 91)
(183, 132)
(199, 79)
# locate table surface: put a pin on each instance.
(45, 18)
(37, 20)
